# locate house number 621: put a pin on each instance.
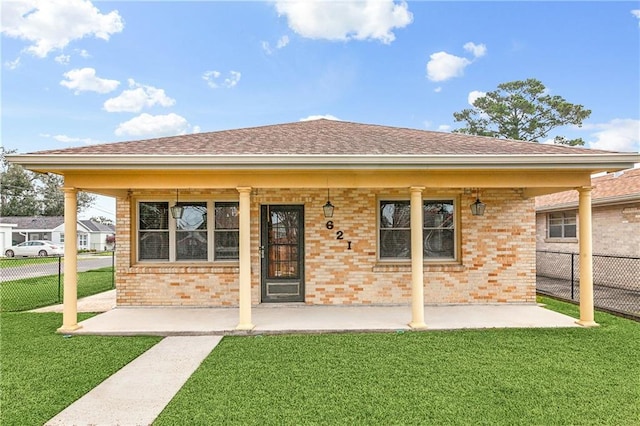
(339, 234)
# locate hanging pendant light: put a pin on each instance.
(328, 208)
(477, 208)
(177, 209)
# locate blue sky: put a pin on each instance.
(76, 72)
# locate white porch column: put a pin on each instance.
(70, 300)
(244, 322)
(586, 259)
(417, 262)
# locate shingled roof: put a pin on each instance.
(610, 188)
(323, 137)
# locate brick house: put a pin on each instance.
(325, 212)
(615, 216)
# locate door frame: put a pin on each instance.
(265, 210)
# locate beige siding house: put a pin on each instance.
(325, 213)
(616, 216)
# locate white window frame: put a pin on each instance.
(172, 229)
(456, 229)
(569, 218)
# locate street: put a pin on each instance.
(43, 269)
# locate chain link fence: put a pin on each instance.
(33, 282)
(616, 280)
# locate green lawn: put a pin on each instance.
(26, 261)
(43, 372)
(31, 293)
(523, 376)
(509, 377)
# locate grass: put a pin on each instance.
(31, 293)
(502, 376)
(43, 372)
(26, 261)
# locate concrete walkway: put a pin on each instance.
(138, 393)
(101, 302)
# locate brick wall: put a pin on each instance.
(496, 261)
(616, 231)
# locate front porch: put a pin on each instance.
(290, 319)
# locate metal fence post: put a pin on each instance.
(59, 275)
(572, 275)
(113, 268)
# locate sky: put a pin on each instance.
(76, 72)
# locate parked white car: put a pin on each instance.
(35, 248)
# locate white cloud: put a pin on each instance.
(12, 65)
(71, 140)
(320, 117)
(477, 50)
(474, 95)
(138, 97)
(154, 125)
(444, 128)
(620, 134)
(346, 20)
(85, 80)
(636, 13)
(63, 59)
(213, 79)
(53, 24)
(438, 89)
(443, 66)
(83, 53)
(282, 42)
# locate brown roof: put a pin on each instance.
(612, 187)
(323, 137)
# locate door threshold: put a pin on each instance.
(281, 304)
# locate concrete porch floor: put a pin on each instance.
(284, 319)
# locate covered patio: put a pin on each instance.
(299, 318)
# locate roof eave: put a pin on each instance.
(613, 161)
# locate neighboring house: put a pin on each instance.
(5, 236)
(90, 235)
(615, 212)
(325, 213)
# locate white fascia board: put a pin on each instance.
(322, 162)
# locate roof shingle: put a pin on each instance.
(323, 137)
(609, 186)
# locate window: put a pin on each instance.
(83, 240)
(161, 238)
(227, 232)
(62, 237)
(561, 225)
(191, 232)
(438, 230)
(153, 231)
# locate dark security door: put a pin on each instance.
(282, 252)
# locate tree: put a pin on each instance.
(24, 193)
(103, 220)
(521, 110)
(17, 194)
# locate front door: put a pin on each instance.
(282, 252)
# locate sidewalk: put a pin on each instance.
(101, 302)
(138, 393)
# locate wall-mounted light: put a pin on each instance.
(477, 208)
(177, 209)
(328, 208)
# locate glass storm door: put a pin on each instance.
(282, 252)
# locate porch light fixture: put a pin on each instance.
(477, 208)
(177, 209)
(328, 208)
